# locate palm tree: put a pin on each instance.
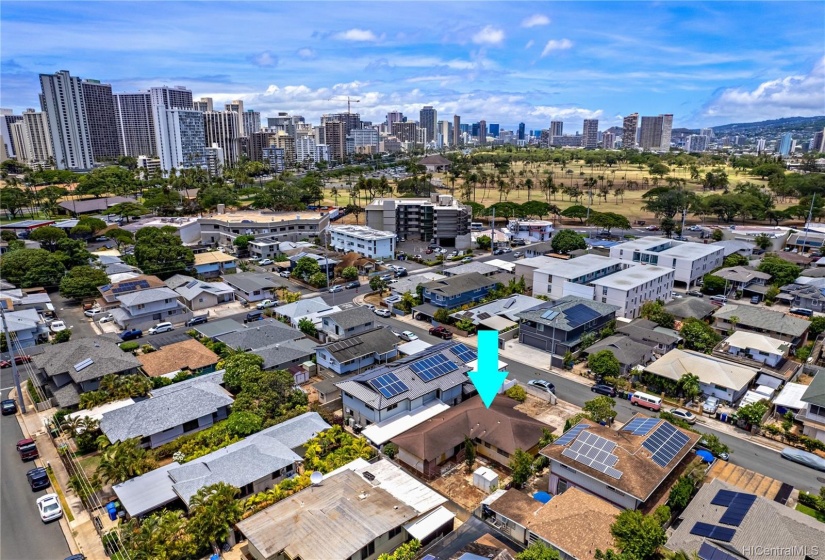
(214, 511)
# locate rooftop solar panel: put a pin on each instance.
(580, 314)
(738, 509)
(389, 385)
(633, 424)
(723, 498)
(84, 364)
(595, 452)
(709, 552)
(571, 434)
(433, 367)
(714, 532)
(550, 314)
(105, 287)
(464, 353)
(665, 443)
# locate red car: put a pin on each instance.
(429, 251)
(652, 228)
(441, 332)
(27, 449)
(23, 359)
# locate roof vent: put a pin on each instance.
(362, 496)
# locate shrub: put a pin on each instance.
(390, 450)
(517, 393)
(158, 382)
(147, 348)
(130, 346)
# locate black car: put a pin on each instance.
(604, 390)
(38, 478)
(353, 284)
(695, 293)
(197, 320)
(256, 315)
(9, 406)
(401, 273)
(498, 252)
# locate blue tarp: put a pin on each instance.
(706, 456)
(542, 497)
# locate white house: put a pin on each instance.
(690, 261)
(146, 308)
(575, 276)
(754, 346)
(530, 230)
(628, 289)
(365, 241)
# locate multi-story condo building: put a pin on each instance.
(440, 219)
(405, 131)
(275, 158)
(629, 126)
(786, 145)
(349, 120)
(650, 135)
(322, 153)
(6, 120)
(706, 132)
(590, 132)
(177, 97)
(628, 289)
(252, 146)
(213, 159)
(251, 121)
(62, 101)
(482, 131)
(19, 139)
(443, 137)
(696, 143)
(608, 140)
(521, 131)
(574, 276)
(135, 127)
(690, 261)
(305, 149)
(335, 136)
(221, 128)
(394, 117)
(556, 131)
(285, 142)
(102, 121)
(180, 137)
(203, 105)
(365, 241)
(364, 138)
(237, 107)
(427, 120)
(667, 130)
(456, 130)
(222, 229)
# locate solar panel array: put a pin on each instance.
(343, 344)
(433, 367)
(105, 287)
(640, 426)
(714, 532)
(709, 552)
(665, 443)
(389, 385)
(131, 286)
(571, 434)
(738, 504)
(595, 452)
(550, 314)
(580, 314)
(84, 364)
(464, 353)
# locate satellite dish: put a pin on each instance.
(316, 478)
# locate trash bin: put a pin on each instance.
(112, 510)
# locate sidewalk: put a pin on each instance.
(80, 533)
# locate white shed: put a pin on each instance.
(485, 478)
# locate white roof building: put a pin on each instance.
(573, 277)
(363, 240)
(691, 261)
(628, 289)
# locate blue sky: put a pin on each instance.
(707, 63)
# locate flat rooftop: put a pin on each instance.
(580, 266)
(362, 232)
(264, 217)
(633, 276)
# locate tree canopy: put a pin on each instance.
(161, 252)
(567, 240)
(28, 268)
(82, 281)
(699, 335)
(604, 363)
(782, 271)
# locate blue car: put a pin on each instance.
(131, 334)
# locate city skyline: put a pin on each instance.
(530, 62)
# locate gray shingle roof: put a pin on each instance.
(353, 317)
(250, 281)
(815, 393)
(627, 351)
(642, 331)
(217, 328)
(477, 266)
(103, 350)
(283, 353)
(690, 307)
(508, 307)
(764, 319)
(194, 288)
(177, 280)
(456, 285)
(146, 296)
(378, 341)
(563, 321)
(254, 337)
(180, 403)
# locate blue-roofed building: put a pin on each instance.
(458, 290)
(439, 373)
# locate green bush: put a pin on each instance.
(517, 393)
(130, 346)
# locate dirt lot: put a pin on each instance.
(458, 484)
(554, 415)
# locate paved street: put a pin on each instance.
(22, 535)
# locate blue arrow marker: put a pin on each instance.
(486, 377)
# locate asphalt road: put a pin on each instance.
(22, 535)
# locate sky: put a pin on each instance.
(707, 63)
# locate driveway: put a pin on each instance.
(71, 312)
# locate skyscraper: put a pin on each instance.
(521, 131)
(443, 128)
(650, 134)
(136, 129)
(251, 121)
(608, 140)
(100, 116)
(19, 139)
(349, 120)
(335, 136)
(203, 104)
(221, 128)
(237, 107)
(37, 134)
(392, 118)
(667, 128)
(590, 131)
(456, 130)
(494, 130)
(62, 101)
(177, 97)
(556, 130)
(696, 143)
(629, 126)
(405, 131)
(6, 120)
(706, 132)
(482, 131)
(428, 117)
(786, 145)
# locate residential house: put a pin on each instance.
(476, 266)
(253, 286)
(92, 205)
(643, 331)
(690, 261)
(557, 523)
(213, 329)
(765, 350)
(26, 328)
(15, 299)
(327, 265)
(146, 308)
(109, 293)
(805, 242)
(188, 356)
(744, 279)
(630, 288)
(214, 263)
(629, 352)
(558, 327)
(683, 308)
(411, 283)
(310, 308)
(775, 324)
(197, 295)
(357, 353)
(170, 412)
(356, 513)
(254, 464)
(722, 518)
(809, 295)
(574, 276)
(347, 323)
(439, 373)
(507, 308)
(633, 462)
(281, 347)
(457, 290)
(719, 378)
(813, 416)
(497, 432)
(736, 246)
(70, 368)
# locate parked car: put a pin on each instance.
(49, 508)
(93, 312)
(266, 262)
(8, 406)
(166, 326)
(543, 385)
(284, 274)
(507, 249)
(38, 479)
(805, 312)
(353, 284)
(652, 228)
(441, 332)
(409, 336)
(498, 252)
(369, 306)
(683, 414)
(256, 315)
(518, 254)
(266, 303)
(21, 359)
(755, 300)
(401, 273)
(695, 293)
(58, 326)
(382, 312)
(711, 405)
(386, 277)
(676, 295)
(130, 334)
(335, 289)
(27, 449)
(694, 228)
(603, 389)
(804, 458)
(467, 260)
(106, 319)
(197, 320)
(703, 444)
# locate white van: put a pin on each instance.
(476, 226)
(646, 401)
(161, 328)
(719, 300)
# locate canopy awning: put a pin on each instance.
(430, 523)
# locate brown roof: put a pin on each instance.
(561, 520)
(500, 425)
(435, 159)
(640, 474)
(153, 281)
(745, 480)
(189, 354)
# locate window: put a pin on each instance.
(189, 426)
(368, 551)
(392, 407)
(502, 452)
(561, 486)
(395, 532)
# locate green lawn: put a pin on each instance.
(812, 512)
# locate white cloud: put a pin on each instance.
(265, 58)
(489, 35)
(306, 53)
(529, 44)
(554, 45)
(535, 20)
(356, 34)
(799, 95)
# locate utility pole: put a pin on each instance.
(493, 233)
(14, 373)
(810, 216)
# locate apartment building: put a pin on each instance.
(628, 289)
(440, 219)
(427, 119)
(135, 127)
(590, 132)
(62, 101)
(363, 240)
(221, 129)
(629, 126)
(690, 261)
(222, 229)
(574, 276)
(180, 138)
(100, 115)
